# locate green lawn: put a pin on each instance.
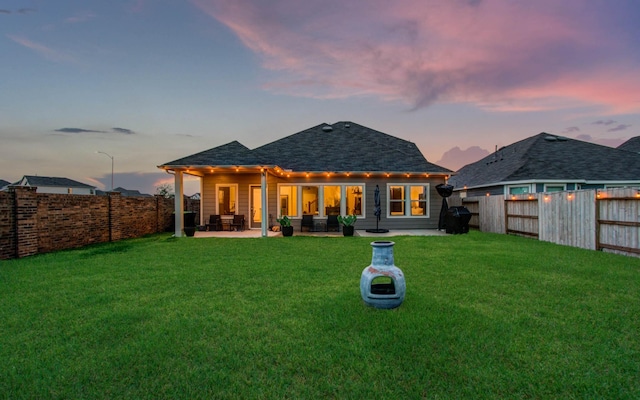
(485, 316)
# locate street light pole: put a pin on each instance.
(111, 157)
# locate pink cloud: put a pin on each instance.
(81, 17)
(503, 56)
(44, 51)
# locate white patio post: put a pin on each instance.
(179, 204)
(265, 212)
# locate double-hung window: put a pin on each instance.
(408, 200)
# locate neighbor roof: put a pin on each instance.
(340, 147)
(632, 144)
(550, 157)
(31, 180)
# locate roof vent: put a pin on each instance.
(327, 128)
(562, 138)
(347, 125)
(550, 138)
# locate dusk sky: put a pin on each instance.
(152, 81)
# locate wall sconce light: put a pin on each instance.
(487, 194)
(368, 174)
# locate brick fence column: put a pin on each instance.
(26, 220)
(115, 216)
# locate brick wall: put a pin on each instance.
(32, 223)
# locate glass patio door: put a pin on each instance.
(255, 221)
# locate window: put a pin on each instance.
(321, 200)
(331, 200)
(419, 200)
(396, 200)
(310, 200)
(518, 189)
(354, 199)
(289, 201)
(227, 199)
(554, 188)
(408, 200)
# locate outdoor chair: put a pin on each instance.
(332, 223)
(307, 221)
(215, 223)
(238, 222)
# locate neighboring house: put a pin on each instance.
(547, 163)
(3, 184)
(195, 196)
(46, 184)
(321, 171)
(632, 144)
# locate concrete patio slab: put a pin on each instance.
(256, 233)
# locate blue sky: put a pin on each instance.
(152, 81)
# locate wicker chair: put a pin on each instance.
(215, 223)
(307, 221)
(238, 222)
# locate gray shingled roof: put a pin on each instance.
(632, 144)
(3, 183)
(33, 180)
(550, 157)
(343, 146)
(234, 153)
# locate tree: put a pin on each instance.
(165, 190)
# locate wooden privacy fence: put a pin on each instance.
(607, 220)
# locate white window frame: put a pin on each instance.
(321, 214)
(407, 199)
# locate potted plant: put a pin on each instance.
(285, 226)
(347, 224)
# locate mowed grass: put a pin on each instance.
(485, 316)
